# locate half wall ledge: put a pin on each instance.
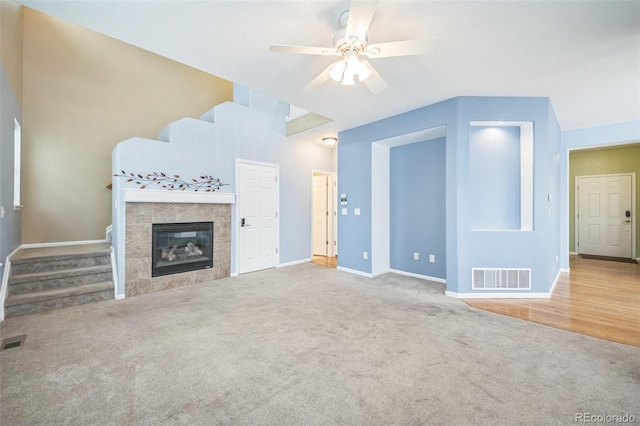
(153, 196)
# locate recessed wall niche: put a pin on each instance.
(501, 175)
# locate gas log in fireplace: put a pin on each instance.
(181, 247)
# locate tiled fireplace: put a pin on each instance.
(139, 259)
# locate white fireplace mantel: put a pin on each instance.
(154, 196)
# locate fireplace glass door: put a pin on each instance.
(181, 247)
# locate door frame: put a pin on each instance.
(332, 220)
(634, 216)
(236, 225)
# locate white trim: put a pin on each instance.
(380, 208)
(108, 233)
(5, 281)
(3, 289)
(573, 253)
(233, 275)
(295, 262)
(526, 176)
(354, 271)
(555, 281)
(497, 295)
(63, 243)
(152, 196)
(422, 277)
(114, 273)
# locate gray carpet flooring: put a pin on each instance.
(306, 345)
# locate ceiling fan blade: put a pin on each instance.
(403, 48)
(319, 80)
(305, 50)
(374, 82)
(360, 16)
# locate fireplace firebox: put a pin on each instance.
(181, 247)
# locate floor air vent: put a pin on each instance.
(13, 342)
(500, 279)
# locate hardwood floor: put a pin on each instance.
(328, 261)
(597, 298)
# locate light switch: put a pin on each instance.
(344, 212)
(356, 212)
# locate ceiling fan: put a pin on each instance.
(351, 44)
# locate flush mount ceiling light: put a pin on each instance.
(330, 141)
(351, 45)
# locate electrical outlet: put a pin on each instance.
(416, 256)
(557, 259)
(1, 212)
(432, 258)
(365, 255)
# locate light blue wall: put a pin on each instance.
(509, 249)
(465, 249)
(591, 137)
(494, 165)
(234, 131)
(11, 224)
(354, 179)
(417, 200)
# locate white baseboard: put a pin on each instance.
(295, 262)
(114, 274)
(498, 295)
(63, 243)
(3, 288)
(233, 274)
(572, 253)
(119, 296)
(422, 277)
(355, 272)
(4, 284)
(555, 282)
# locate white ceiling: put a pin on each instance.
(584, 56)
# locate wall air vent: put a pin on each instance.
(500, 279)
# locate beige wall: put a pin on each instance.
(83, 94)
(11, 44)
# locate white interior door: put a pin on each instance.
(320, 215)
(257, 206)
(604, 226)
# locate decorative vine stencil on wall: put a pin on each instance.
(204, 183)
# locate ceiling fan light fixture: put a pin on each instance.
(337, 70)
(348, 80)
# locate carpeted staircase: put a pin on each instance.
(43, 279)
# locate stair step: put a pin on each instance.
(23, 304)
(48, 259)
(41, 281)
